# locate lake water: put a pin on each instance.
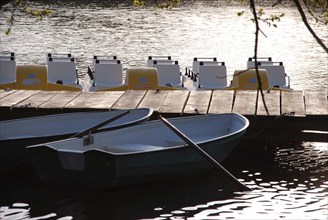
(198, 29)
(288, 180)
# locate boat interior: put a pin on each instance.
(50, 125)
(116, 142)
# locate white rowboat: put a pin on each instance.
(146, 152)
(16, 134)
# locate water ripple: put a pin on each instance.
(21, 211)
(185, 32)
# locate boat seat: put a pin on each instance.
(108, 73)
(247, 79)
(212, 75)
(168, 73)
(62, 70)
(31, 77)
(132, 148)
(142, 79)
(7, 69)
(151, 59)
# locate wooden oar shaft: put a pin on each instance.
(93, 128)
(202, 152)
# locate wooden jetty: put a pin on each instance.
(293, 116)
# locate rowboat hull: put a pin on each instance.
(105, 170)
(14, 151)
(16, 134)
(98, 168)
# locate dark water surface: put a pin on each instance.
(288, 180)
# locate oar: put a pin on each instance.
(203, 153)
(95, 127)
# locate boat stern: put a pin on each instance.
(90, 169)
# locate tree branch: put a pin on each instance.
(300, 10)
(253, 9)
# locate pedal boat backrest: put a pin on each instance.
(102, 57)
(195, 66)
(108, 73)
(276, 74)
(151, 59)
(62, 70)
(275, 70)
(168, 73)
(7, 68)
(263, 60)
(212, 75)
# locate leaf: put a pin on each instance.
(36, 12)
(46, 12)
(8, 32)
(20, 3)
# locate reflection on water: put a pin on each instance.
(22, 211)
(310, 157)
(196, 29)
(280, 189)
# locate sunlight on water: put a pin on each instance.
(275, 196)
(273, 201)
(20, 211)
(196, 30)
(320, 146)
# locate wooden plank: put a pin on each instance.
(198, 102)
(4, 93)
(16, 97)
(36, 100)
(244, 102)
(272, 101)
(130, 99)
(221, 102)
(85, 100)
(292, 102)
(153, 99)
(61, 99)
(316, 102)
(174, 102)
(107, 99)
